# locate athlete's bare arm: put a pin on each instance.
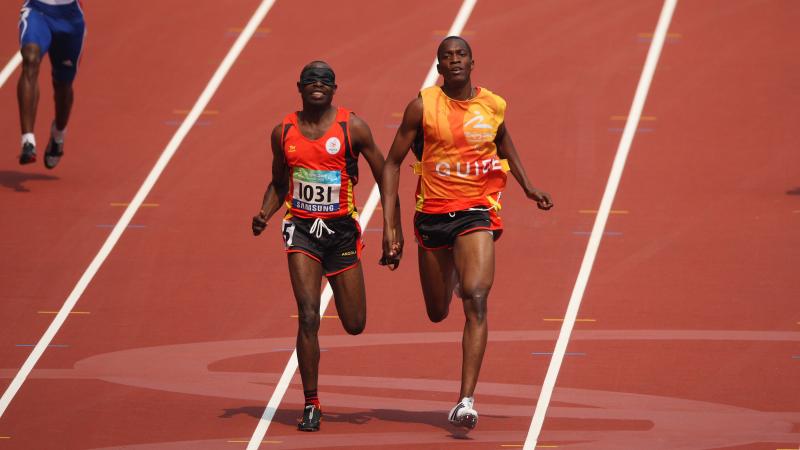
(506, 149)
(364, 143)
(276, 190)
(412, 118)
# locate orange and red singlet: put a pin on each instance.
(322, 171)
(458, 163)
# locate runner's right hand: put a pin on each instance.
(392, 249)
(259, 222)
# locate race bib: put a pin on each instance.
(288, 233)
(316, 190)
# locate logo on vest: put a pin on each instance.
(476, 131)
(468, 169)
(333, 145)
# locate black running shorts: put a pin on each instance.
(437, 231)
(335, 243)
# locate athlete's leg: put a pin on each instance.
(62, 93)
(473, 255)
(306, 275)
(35, 37)
(28, 86)
(65, 54)
(63, 96)
(350, 297)
(437, 276)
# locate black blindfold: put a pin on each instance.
(322, 74)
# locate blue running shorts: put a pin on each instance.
(58, 29)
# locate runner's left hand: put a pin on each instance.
(542, 199)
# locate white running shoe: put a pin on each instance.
(463, 414)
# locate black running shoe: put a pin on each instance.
(28, 154)
(311, 418)
(53, 153)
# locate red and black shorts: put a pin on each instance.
(335, 243)
(437, 231)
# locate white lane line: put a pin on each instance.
(134, 205)
(600, 222)
(10, 68)
(372, 202)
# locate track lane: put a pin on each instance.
(30, 313)
(60, 216)
(705, 244)
(543, 282)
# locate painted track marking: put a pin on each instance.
(641, 119)
(10, 67)
(143, 205)
(614, 177)
(208, 112)
(594, 211)
(138, 199)
(372, 202)
(561, 320)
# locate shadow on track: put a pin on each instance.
(14, 180)
(433, 418)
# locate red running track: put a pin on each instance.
(186, 328)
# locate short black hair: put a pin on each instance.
(450, 38)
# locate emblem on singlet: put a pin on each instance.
(333, 145)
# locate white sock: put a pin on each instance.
(468, 401)
(28, 137)
(58, 135)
